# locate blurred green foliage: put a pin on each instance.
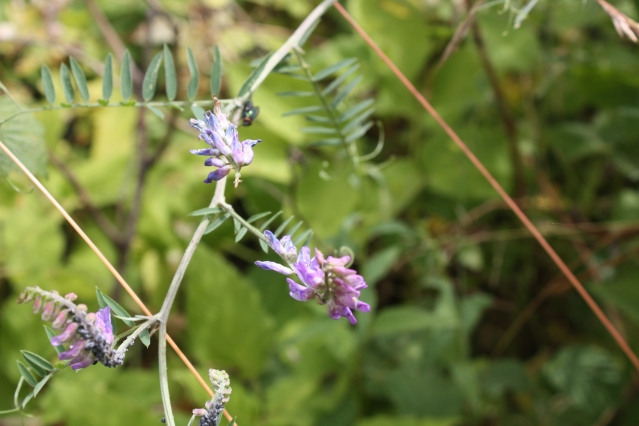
(471, 324)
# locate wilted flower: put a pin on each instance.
(210, 416)
(328, 280)
(226, 152)
(90, 335)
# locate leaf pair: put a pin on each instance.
(35, 366)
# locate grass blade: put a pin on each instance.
(194, 82)
(47, 84)
(169, 74)
(80, 79)
(216, 72)
(126, 83)
(67, 87)
(150, 81)
(107, 78)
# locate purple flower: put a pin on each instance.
(328, 280)
(226, 151)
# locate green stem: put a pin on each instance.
(135, 332)
(229, 209)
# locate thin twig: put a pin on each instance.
(515, 208)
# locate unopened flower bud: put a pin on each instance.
(199, 412)
(90, 318)
(37, 304)
(60, 320)
(47, 312)
(71, 296)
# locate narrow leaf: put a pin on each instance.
(217, 222)
(145, 338)
(28, 377)
(353, 111)
(285, 68)
(264, 246)
(322, 74)
(296, 93)
(317, 119)
(149, 84)
(359, 132)
(80, 79)
(194, 82)
(169, 74)
(253, 76)
(27, 398)
(283, 226)
(358, 120)
(319, 130)
(36, 369)
(216, 72)
(205, 212)
(156, 111)
(305, 236)
(67, 87)
(51, 334)
(232, 422)
(304, 110)
(107, 78)
(327, 141)
(40, 385)
(115, 307)
(257, 217)
(345, 91)
(47, 84)
(237, 225)
(101, 300)
(240, 234)
(294, 229)
(197, 111)
(271, 219)
(305, 37)
(35, 359)
(126, 83)
(339, 80)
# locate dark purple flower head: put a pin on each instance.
(226, 151)
(326, 280)
(89, 335)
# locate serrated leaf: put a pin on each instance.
(317, 119)
(126, 83)
(47, 84)
(345, 91)
(169, 74)
(303, 110)
(271, 219)
(358, 120)
(253, 76)
(194, 81)
(339, 80)
(205, 211)
(28, 377)
(216, 72)
(67, 87)
(24, 137)
(107, 78)
(115, 306)
(217, 222)
(156, 111)
(294, 229)
(327, 141)
(149, 84)
(36, 360)
(353, 111)
(240, 234)
(145, 338)
(319, 130)
(264, 246)
(359, 132)
(40, 385)
(304, 238)
(51, 334)
(80, 79)
(283, 226)
(322, 74)
(198, 112)
(257, 217)
(297, 93)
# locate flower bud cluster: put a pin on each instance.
(89, 334)
(226, 152)
(212, 413)
(326, 280)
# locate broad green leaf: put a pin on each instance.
(271, 219)
(283, 226)
(47, 84)
(296, 93)
(339, 80)
(156, 111)
(253, 76)
(206, 211)
(217, 222)
(107, 78)
(353, 111)
(51, 334)
(36, 360)
(169, 74)
(24, 137)
(359, 132)
(216, 72)
(115, 306)
(194, 81)
(149, 84)
(145, 338)
(28, 377)
(319, 130)
(322, 74)
(126, 81)
(67, 87)
(257, 217)
(80, 79)
(345, 91)
(303, 110)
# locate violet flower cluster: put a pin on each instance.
(212, 414)
(326, 280)
(89, 335)
(225, 150)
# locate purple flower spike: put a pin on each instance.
(225, 149)
(103, 324)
